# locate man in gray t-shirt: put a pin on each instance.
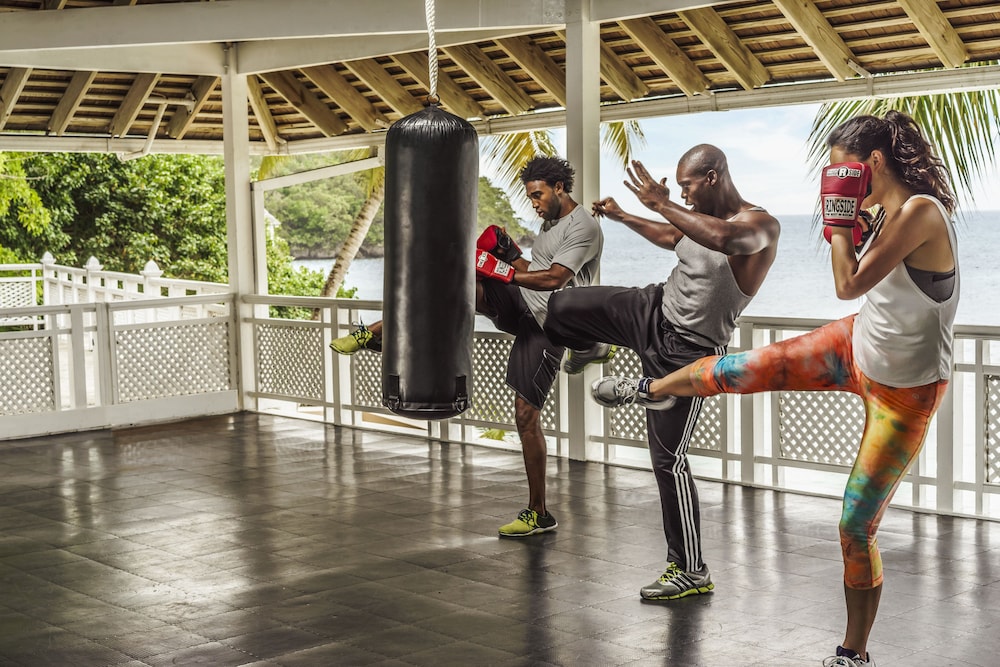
(567, 252)
(724, 246)
(514, 293)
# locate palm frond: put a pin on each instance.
(621, 139)
(962, 127)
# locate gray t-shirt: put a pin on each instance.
(701, 298)
(574, 241)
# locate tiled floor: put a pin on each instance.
(268, 541)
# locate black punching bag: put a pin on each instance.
(431, 194)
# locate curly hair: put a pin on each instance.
(907, 152)
(552, 170)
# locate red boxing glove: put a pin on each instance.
(488, 266)
(857, 235)
(842, 189)
(496, 241)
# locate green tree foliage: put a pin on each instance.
(21, 208)
(317, 216)
(495, 209)
(170, 209)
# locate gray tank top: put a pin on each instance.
(701, 298)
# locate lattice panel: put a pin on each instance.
(366, 379)
(290, 361)
(17, 294)
(27, 383)
(492, 400)
(992, 427)
(820, 426)
(172, 361)
(629, 422)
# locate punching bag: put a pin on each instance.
(431, 195)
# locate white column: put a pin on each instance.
(583, 150)
(239, 218)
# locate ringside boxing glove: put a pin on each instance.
(842, 189)
(496, 241)
(488, 266)
(860, 232)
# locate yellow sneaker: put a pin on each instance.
(529, 522)
(359, 339)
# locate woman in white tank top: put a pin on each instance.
(895, 353)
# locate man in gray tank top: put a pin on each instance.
(724, 246)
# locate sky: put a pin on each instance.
(767, 152)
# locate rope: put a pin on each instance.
(432, 51)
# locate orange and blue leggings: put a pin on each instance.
(895, 426)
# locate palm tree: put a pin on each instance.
(961, 126)
(359, 229)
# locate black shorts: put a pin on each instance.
(534, 359)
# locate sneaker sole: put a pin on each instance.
(573, 370)
(536, 531)
(690, 591)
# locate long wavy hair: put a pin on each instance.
(909, 155)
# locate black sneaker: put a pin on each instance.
(598, 353)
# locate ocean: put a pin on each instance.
(799, 283)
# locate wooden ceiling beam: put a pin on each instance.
(347, 97)
(142, 86)
(265, 121)
(713, 31)
(184, 117)
(666, 55)
(384, 85)
(817, 32)
(538, 64)
(620, 77)
(491, 77)
(70, 102)
(11, 89)
(453, 96)
(310, 106)
(934, 27)
(53, 4)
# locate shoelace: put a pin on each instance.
(359, 334)
(672, 572)
(527, 516)
(627, 389)
(840, 661)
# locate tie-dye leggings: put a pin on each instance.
(895, 425)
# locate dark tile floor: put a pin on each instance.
(261, 540)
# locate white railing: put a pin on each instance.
(97, 365)
(796, 441)
(130, 359)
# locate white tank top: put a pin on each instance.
(902, 337)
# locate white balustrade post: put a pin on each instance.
(48, 279)
(92, 267)
(149, 273)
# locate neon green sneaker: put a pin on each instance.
(359, 339)
(675, 583)
(529, 522)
